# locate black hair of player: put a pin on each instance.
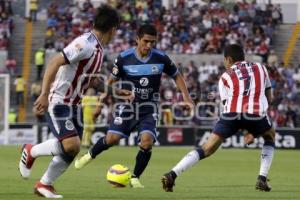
(235, 52)
(146, 29)
(106, 18)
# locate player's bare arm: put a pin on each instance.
(269, 95)
(42, 101)
(108, 89)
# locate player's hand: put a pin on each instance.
(248, 138)
(189, 105)
(41, 104)
(124, 94)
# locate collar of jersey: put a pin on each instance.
(145, 59)
(97, 40)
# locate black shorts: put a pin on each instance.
(230, 123)
(125, 122)
(65, 121)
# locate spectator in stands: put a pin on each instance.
(272, 59)
(39, 59)
(11, 66)
(33, 8)
(20, 87)
(12, 116)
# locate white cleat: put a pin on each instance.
(26, 161)
(46, 191)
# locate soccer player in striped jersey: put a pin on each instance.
(245, 91)
(66, 80)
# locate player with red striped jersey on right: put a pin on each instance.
(245, 92)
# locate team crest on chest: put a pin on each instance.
(155, 69)
(69, 125)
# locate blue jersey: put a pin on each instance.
(143, 75)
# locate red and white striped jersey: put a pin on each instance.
(242, 88)
(84, 56)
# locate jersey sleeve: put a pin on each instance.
(223, 89)
(268, 84)
(170, 68)
(77, 50)
(117, 68)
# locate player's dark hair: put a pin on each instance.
(106, 18)
(146, 29)
(235, 52)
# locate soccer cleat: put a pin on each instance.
(47, 191)
(83, 161)
(262, 185)
(135, 183)
(26, 161)
(168, 182)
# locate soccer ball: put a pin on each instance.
(118, 175)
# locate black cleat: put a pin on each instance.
(262, 185)
(168, 182)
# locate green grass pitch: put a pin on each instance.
(229, 174)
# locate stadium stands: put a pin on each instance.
(191, 29)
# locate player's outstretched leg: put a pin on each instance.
(26, 161)
(189, 160)
(267, 153)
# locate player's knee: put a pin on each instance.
(112, 139)
(269, 135)
(146, 145)
(71, 146)
(146, 141)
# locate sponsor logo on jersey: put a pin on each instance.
(69, 125)
(144, 81)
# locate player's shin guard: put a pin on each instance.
(188, 161)
(99, 147)
(266, 158)
(142, 159)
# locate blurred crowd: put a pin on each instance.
(6, 29)
(189, 27)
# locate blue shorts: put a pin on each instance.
(65, 121)
(230, 123)
(126, 122)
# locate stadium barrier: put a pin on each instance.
(286, 138)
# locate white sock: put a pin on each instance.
(51, 147)
(56, 168)
(266, 159)
(186, 162)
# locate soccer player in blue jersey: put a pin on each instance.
(139, 69)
